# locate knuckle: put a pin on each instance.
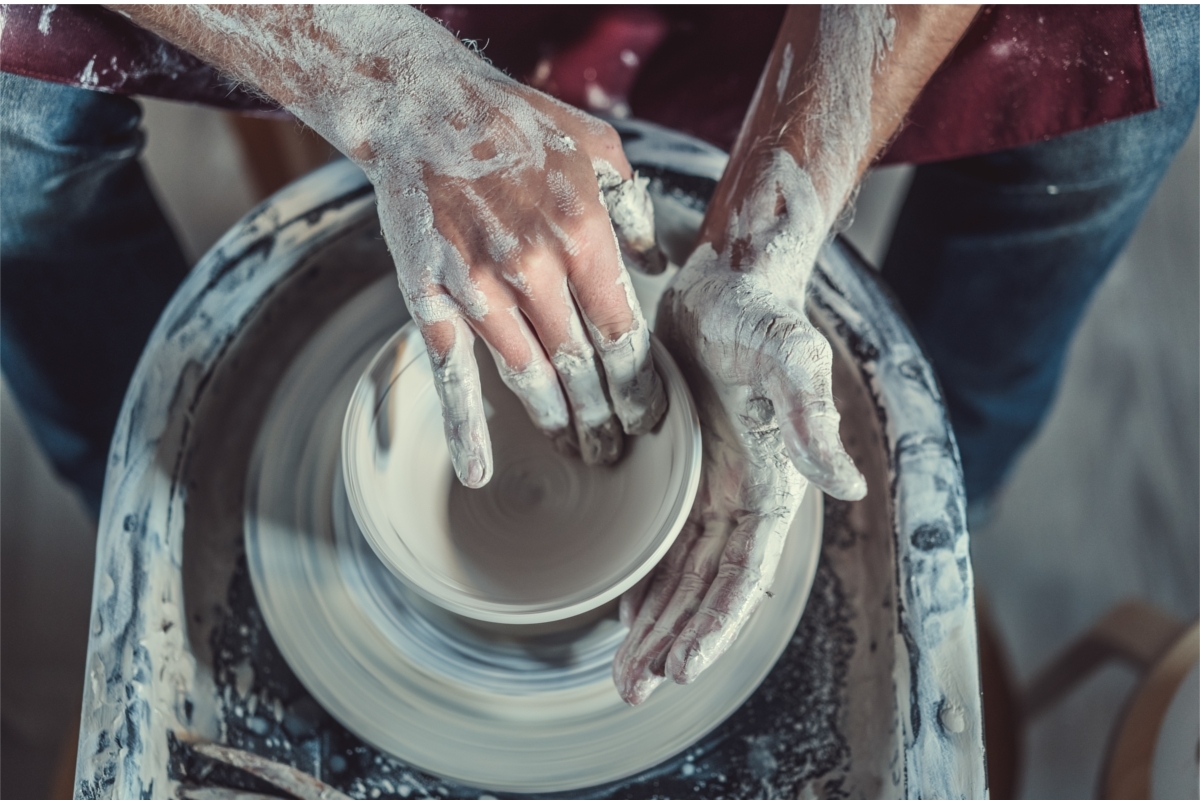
(717, 618)
(802, 347)
(536, 263)
(592, 235)
(821, 347)
(692, 583)
(439, 337)
(607, 138)
(611, 321)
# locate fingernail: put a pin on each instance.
(648, 400)
(852, 484)
(641, 690)
(688, 671)
(677, 665)
(822, 459)
(625, 614)
(839, 477)
(475, 473)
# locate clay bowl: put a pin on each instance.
(548, 538)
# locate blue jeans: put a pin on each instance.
(87, 263)
(995, 257)
(993, 265)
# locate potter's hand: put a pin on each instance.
(522, 252)
(837, 85)
(761, 376)
(494, 199)
(511, 239)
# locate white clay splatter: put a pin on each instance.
(785, 71)
(88, 78)
(564, 194)
(44, 19)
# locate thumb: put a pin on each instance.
(800, 386)
(632, 214)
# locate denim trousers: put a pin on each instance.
(994, 259)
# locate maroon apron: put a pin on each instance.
(1021, 74)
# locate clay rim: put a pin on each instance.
(364, 401)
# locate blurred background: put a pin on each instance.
(1103, 507)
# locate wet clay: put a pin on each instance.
(550, 536)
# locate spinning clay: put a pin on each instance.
(549, 537)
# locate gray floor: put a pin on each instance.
(1102, 507)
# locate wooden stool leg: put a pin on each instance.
(1131, 754)
(62, 787)
(1002, 730)
(1134, 632)
(278, 151)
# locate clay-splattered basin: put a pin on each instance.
(548, 537)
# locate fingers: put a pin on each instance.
(745, 574)
(545, 299)
(577, 322)
(632, 213)
(601, 287)
(450, 343)
(634, 681)
(670, 602)
(798, 381)
(811, 436)
(631, 601)
(599, 432)
(526, 370)
(641, 610)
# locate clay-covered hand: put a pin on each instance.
(495, 201)
(761, 376)
(501, 206)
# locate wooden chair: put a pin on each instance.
(277, 151)
(1161, 648)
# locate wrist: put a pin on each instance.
(371, 96)
(768, 219)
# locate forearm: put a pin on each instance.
(835, 90)
(493, 198)
(334, 67)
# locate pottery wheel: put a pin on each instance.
(530, 709)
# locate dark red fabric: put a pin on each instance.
(1021, 74)
(92, 47)
(698, 77)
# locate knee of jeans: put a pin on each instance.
(1125, 152)
(58, 146)
(1172, 36)
(60, 121)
